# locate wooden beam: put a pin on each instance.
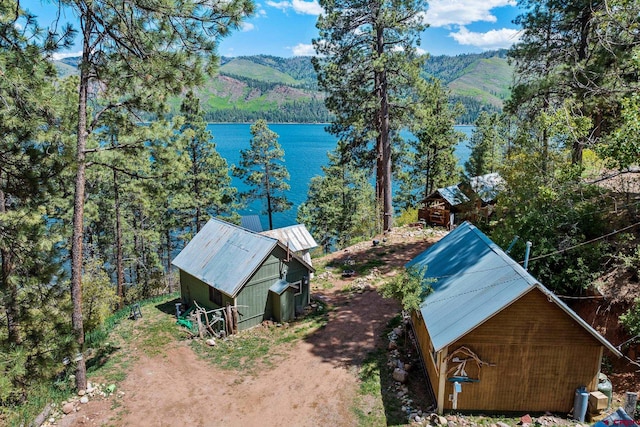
(442, 378)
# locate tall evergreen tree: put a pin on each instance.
(487, 145)
(368, 65)
(206, 189)
(31, 161)
(430, 161)
(340, 204)
(136, 53)
(263, 170)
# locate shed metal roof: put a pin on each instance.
(487, 186)
(475, 280)
(224, 256)
(297, 237)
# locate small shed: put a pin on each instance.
(226, 265)
(444, 206)
(494, 339)
(297, 238)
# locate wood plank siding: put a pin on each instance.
(541, 356)
(424, 341)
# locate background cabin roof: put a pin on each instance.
(475, 280)
(452, 194)
(251, 222)
(487, 186)
(224, 256)
(296, 236)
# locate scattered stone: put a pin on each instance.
(84, 400)
(82, 392)
(67, 408)
(400, 375)
(52, 420)
(501, 424)
(211, 342)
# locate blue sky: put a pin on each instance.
(286, 27)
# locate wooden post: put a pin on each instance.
(630, 401)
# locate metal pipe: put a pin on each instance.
(513, 242)
(526, 255)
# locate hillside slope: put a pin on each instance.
(285, 89)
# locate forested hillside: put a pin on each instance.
(286, 89)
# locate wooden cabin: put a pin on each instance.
(466, 201)
(445, 206)
(494, 339)
(226, 265)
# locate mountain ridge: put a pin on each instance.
(278, 89)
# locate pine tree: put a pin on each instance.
(136, 53)
(487, 145)
(430, 161)
(340, 204)
(206, 186)
(263, 170)
(368, 65)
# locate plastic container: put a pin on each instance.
(580, 403)
(605, 386)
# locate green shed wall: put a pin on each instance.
(193, 289)
(255, 302)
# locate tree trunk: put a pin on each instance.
(9, 289)
(119, 263)
(169, 266)
(268, 190)
(384, 140)
(78, 209)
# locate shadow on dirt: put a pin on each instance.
(168, 307)
(101, 357)
(385, 257)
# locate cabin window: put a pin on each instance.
(297, 287)
(215, 296)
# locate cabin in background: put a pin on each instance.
(492, 338)
(465, 201)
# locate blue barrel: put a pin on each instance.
(580, 403)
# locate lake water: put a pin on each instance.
(305, 146)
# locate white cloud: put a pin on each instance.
(247, 26)
(282, 5)
(307, 7)
(301, 7)
(493, 39)
(62, 55)
(462, 12)
(302, 49)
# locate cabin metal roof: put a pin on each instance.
(251, 222)
(224, 256)
(297, 237)
(452, 194)
(487, 186)
(474, 280)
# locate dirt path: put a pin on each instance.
(314, 383)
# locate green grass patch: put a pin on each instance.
(249, 351)
(366, 268)
(376, 403)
